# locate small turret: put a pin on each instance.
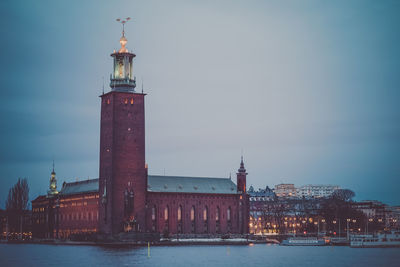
(53, 183)
(241, 177)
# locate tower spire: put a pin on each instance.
(53, 183)
(123, 40)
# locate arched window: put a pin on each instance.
(217, 214)
(228, 214)
(166, 213)
(192, 214)
(179, 213)
(193, 220)
(153, 213)
(205, 214)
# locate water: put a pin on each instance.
(258, 255)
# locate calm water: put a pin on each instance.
(258, 255)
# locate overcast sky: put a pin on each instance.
(310, 90)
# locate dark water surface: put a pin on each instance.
(257, 255)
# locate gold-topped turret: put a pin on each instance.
(53, 183)
(122, 78)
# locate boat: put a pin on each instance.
(380, 240)
(303, 241)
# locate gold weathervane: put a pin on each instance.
(123, 40)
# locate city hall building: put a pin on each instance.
(125, 198)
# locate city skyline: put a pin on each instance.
(309, 93)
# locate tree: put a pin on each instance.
(345, 195)
(17, 203)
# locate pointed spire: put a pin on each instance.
(123, 40)
(241, 169)
(53, 172)
(53, 183)
(103, 85)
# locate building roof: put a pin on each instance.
(40, 198)
(85, 186)
(166, 184)
(180, 184)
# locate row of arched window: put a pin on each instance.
(165, 214)
(192, 213)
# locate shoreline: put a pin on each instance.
(181, 242)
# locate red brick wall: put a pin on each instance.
(122, 158)
(200, 201)
(77, 214)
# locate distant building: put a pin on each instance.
(266, 194)
(305, 191)
(285, 190)
(393, 216)
(371, 208)
(316, 191)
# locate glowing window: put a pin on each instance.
(205, 214)
(180, 213)
(153, 213)
(228, 214)
(166, 213)
(192, 214)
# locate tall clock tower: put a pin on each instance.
(122, 174)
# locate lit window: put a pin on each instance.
(217, 214)
(205, 214)
(166, 213)
(131, 101)
(228, 214)
(179, 213)
(153, 213)
(192, 214)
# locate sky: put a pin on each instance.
(308, 90)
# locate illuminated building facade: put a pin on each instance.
(125, 198)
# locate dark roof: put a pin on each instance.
(85, 186)
(159, 183)
(180, 184)
(40, 198)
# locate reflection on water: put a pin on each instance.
(256, 255)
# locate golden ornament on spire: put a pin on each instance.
(123, 40)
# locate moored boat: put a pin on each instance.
(303, 241)
(381, 240)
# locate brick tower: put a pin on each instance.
(244, 199)
(122, 174)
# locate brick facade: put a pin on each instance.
(121, 200)
(122, 161)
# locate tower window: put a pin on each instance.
(108, 101)
(131, 101)
(126, 101)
